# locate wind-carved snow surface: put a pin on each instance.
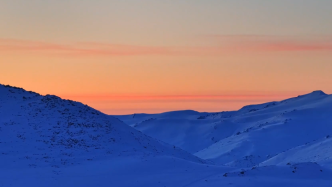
(48, 141)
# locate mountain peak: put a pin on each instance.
(314, 94)
(318, 92)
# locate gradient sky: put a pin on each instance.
(149, 56)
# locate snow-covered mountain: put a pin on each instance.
(49, 131)
(48, 141)
(251, 135)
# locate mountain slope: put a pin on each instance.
(248, 136)
(269, 131)
(318, 151)
(184, 129)
(47, 131)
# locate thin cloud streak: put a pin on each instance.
(80, 49)
(221, 45)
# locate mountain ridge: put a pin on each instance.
(232, 137)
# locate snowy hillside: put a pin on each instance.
(180, 128)
(318, 151)
(48, 131)
(249, 136)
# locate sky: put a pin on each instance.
(151, 56)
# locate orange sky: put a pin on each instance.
(147, 56)
(156, 83)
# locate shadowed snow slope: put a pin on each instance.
(38, 131)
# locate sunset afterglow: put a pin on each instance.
(155, 56)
